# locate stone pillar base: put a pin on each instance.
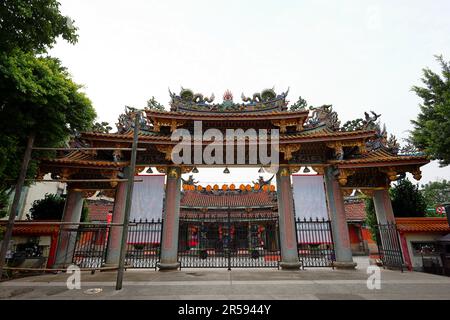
(168, 266)
(344, 265)
(290, 265)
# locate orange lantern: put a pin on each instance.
(224, 187)
(242, 187)
(192, 188)
(185, 187)
(248, 187)
(208, 187)
(256, 186)
(232, 186)
(199, 188)
(272, 188)
(216, 187)
(265, 188)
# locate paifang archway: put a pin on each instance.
(363, 158)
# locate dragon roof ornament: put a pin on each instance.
(266, 100)
(126, 120)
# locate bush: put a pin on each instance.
(52, 208)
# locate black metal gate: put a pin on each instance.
(87, 244)
(143, 244)
(90, 245)
(229, 240)
(315, 243)
(389, 247)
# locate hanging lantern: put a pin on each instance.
(226, 171)
(306, 170)
(272, 188)
(208, 188)
(185, 187)
(199, 188)
(248, 187)
(256, 186)
(242, 187)
(232, 186)
(149, 170)
(216, 187)
(195, 170)
(224, 187)
(265, 188)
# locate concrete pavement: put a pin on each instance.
(255, 284)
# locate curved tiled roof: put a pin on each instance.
(381, 155)
(422, 224)
(258, 115)
(195, 199)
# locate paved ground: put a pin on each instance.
(256, 284)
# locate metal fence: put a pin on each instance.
(86, 245)
(315, 243)
(389, 248)
(90, 245)
(229, 240)
(143, 244)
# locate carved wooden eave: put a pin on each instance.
(283, 124)
(161, 122)
(392, 172)
(344, 174)
(288, 149)
(167, 150)
(338, 146)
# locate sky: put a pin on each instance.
(356, 55)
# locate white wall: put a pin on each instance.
(419, 237)
(37, 191)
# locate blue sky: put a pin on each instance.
(356, 55)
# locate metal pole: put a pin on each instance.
(14, 207)
(128, 204)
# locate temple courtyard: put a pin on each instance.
(257, 284)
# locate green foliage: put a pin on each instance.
(371, 217)
(436, 193)
(101, 127)
(353, 125)
(431, 131)
(49, 208)
(33, 25)
(301, 104)
(37, 93)
(152, 104)
(407, 200)
(52, 208)
(4, 202)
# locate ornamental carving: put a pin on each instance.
(324, 115)
(288, 149)
(344, 174)
(167, 150)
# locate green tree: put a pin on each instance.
(301, 104)
(153, 104)
(52, 208)
(431, 131)
(101, 127)
(37, 94)
(371, 217)
(407, 200)
(33, 25)
(436, 192)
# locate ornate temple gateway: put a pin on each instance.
(358, 157)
